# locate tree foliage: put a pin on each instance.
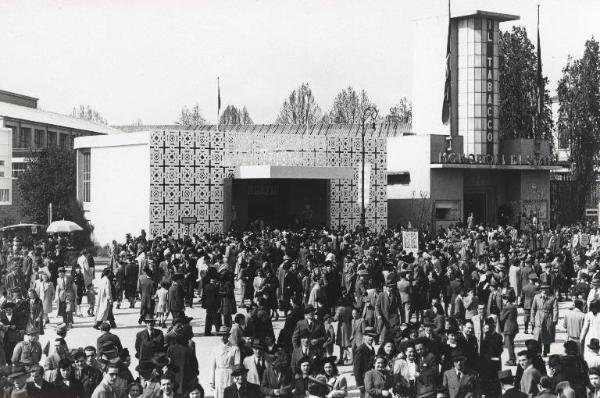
(300, 108)
(348, 106)
(88, 113)
(401, 112)
(234, 116)
(191, 119)
(50, 177)
(518, 89)
(579, 117)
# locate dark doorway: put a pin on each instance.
(280, 202)
(476, 203)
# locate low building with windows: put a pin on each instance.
(25, 130)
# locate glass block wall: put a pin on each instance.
(478, 89)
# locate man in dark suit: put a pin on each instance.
(460, 380)
(316, 330)
(241, 388)
(509, 326)
(507, 383)
(305, 350)
(149, 341)
(147, 289)
(131, 274)
(528, 293)
(107, 337)
(277, 379)
(177, 296)
(211, 301)
(386, 308)
(64, 287)
(363, 358)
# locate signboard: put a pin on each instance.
(410, 241)
(188, 220)
(489, 82)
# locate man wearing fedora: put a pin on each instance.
(315, 329)
(544, 317)
(256, 363)
(277, 379)
(18, 375)
(65, 290)
(9, 324)
(149, 340)
(241, 387)
(363, 358)
(460, 380)
(507, 380)
(528, 293)
(509, 325)
(387, 308)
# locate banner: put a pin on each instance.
(410, 242)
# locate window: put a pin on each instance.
(39, 138)
(25, 138)
(51, 138)
(18, 169)
(401, 178)
(86, 176)
(5, 195)
(447, 210)
(15, 136)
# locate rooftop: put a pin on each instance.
(388, 129)
(486, 14)
(56, 119)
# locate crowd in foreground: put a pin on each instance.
(434, 323)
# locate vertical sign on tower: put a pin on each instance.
(489, 89)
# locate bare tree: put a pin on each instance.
(300, 108)
(191, 119)
(86, 112)
(349, 105)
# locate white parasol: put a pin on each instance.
(63, 226)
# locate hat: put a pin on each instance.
(571, 346)
(545, 286)
(31, 330)
(595, 281)
(149, 318)
(61, 269)
(457, 356)
(553, 361)
(8, 304)
(532, 345)
(533, 276)
(370, 331)
(390, 280)
(506, 376)
(238, 370)
(594, 344)
(144, 368)
(258, 345)
(61, 328)
(309, 308)
(223, 330)
(182, 319)
(17, 371)
(494, 282)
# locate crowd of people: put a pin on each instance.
(435, 322)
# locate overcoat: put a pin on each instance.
(544, 314)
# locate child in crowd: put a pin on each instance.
(91, 298)
(162, 297)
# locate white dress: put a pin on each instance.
(224, 356)
(593, 330)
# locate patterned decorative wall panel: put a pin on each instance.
(188, 169)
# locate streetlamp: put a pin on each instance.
(369, 114)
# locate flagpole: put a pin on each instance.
(540, 93)
(218, 104)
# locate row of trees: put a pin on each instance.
(301, 107)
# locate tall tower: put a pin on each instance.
(474, 65)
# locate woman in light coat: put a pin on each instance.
(45, 290)
(104, 299)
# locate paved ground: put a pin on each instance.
(83, 334)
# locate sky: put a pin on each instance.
(145, 60)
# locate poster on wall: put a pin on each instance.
(367, 184)
(536, 207)
(410, 241)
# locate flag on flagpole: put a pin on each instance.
(218, 96)
(447, 85)
(540, 78)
